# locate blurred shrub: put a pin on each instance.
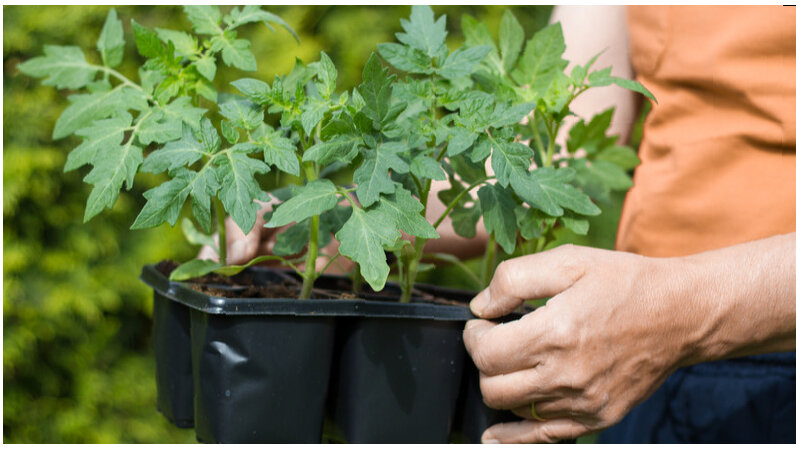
(77, 363)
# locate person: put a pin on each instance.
(705, 264)
(672, 337)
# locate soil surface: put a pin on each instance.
(242, 286)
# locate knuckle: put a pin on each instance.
(548, 434)
(494, 396)
(482, 360)
(501, 282)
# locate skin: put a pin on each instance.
(617, 325)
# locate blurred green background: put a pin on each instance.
(77, 362)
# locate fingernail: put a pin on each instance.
(470, 324)
(491, 441)
(480, 302)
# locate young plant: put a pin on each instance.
(591, 162)
(464, 109)
(120, 120)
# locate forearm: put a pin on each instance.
(609, 35)
(742, 299)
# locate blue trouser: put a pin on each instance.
(743, 400)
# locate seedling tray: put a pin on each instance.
(256, 370)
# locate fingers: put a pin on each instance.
(530, 431)
(502, 348)
(530, 277)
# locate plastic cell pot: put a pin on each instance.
(399, 374)
(260, 378)
(171, 346)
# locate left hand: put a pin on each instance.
(609, 336)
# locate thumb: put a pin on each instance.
(530, 277)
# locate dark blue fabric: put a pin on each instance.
(743, 400)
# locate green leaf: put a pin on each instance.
(334, 219)
(476, 34)
(278, 150)
(426, 167)
(164, 202)
(86, 108)
(235, 52)
(147, 42)
(465, 220)
(547, 188)
(468, 171)
(605, 173)
(204, 186)
(326, 72)
(209, 136)
(256, 91)
(376, 89)
(406, 212)
(462, 62)
(372, 177)
(422, 33)
(497, 208)
(531, 222)
(575, 224)
(511, 37)
(183, 152)
(541, 61)
(603, 77)
(195, 236)
(236, 172)
(312, 112)
(194, 269)
(623, 156)
(293, 240)
(242, 114)
(461, 140)
(310, 200)
(112, 167)
(207, 66)
(340, 148)
(505, 115)
(205, 18)
(98, 137)
(64, 67)
(229, 132)
(111, 43)
(591, 136)
(407, 59)
(510, 160)
(159, 128)
(254, 13)
(182, 109)
(184, 43)
(363, 238)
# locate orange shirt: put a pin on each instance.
(718, 150)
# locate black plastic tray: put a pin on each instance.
(182, 292)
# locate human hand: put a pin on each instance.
(608, 337)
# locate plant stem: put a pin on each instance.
(313, 243)
(457, 199)
(411, 272)
(223, 245)
(356, 279)
(488, 262)
(311, 259)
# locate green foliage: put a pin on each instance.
(77, 366)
